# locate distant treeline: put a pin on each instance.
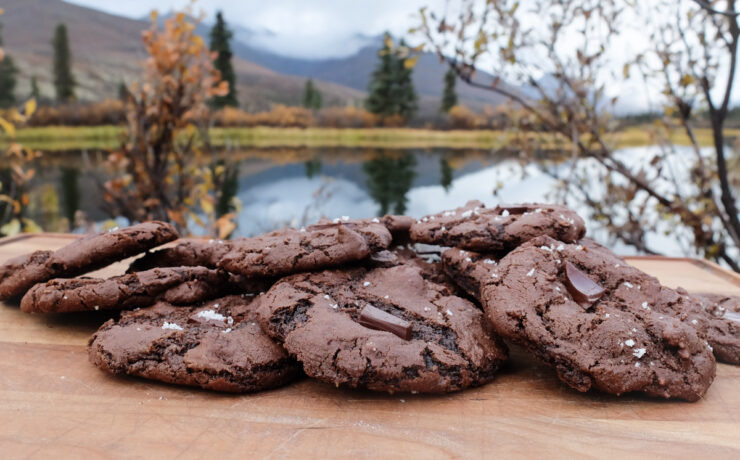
(112, 112)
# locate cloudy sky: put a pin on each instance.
(301, 28)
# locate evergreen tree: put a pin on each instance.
(389, 179)
(64, 81)
(391, 89)
(445, 170)
(407, 99)
(8, 71)
(35, 92)
(122, 91)
(220, 36)
(449, 96)
(70, 193)
(311, 96)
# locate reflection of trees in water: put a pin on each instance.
(445, 170)
(70, 192)
(313, 167)
(389, 179)
(228, 190)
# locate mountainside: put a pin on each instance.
(107, 49)
(354, 71)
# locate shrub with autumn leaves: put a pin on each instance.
(164, 168)
(15, 172)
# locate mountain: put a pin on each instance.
(354, 72)
(107, 49)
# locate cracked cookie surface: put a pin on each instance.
(208, 253)
(218, 345)
(188, 253)
(81, 256)
(637, 336)
(319, 246)
(317, 318)
(176, 285)
(502, 228)
(723, 329)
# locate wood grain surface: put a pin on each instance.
(54, 404)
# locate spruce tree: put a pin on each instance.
(449, 96)
(64, 81)
(391, 89)
(408, 101)
(311, 96)
(389, 180)
(122, 91)
(381, 82)
(35, 92)
(220, 36)
(8, 71)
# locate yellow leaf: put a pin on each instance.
(196, 219)
(11, 228)
(626, 71)
(206, 205)
(226, 226)
(109, 224)
(7, 127)
(197, 39)
(153, 15)
(30, 107)
(30, 226)
(410, 62)
(686, 80)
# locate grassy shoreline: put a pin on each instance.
(53, 138)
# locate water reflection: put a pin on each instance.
(389, 178)
(276, 187)
(445, 171)
(70, 192)
(229, 188)
(313, 167)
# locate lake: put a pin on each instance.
(297, 186)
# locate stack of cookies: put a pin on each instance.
(387, 304)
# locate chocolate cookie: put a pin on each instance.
(84, 255)
(723, 332)
(176, 285)
(187, 253)
(600, 322)
(218, 346)
(502, 228)
(319, 246)
(385, 329)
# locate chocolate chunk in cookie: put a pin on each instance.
(319, 246)
(723, 329)
(635, 336)
(386, 329)
(502, 228)
(87, 254)
(218, 345)
(176, 285)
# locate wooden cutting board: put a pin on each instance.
(54, 404)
